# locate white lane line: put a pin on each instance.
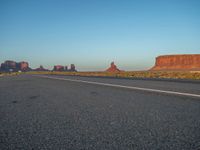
(123, 86)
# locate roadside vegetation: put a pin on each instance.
(10, 73)
(195, 75)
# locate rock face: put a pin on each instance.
(58, 68)
(72, 68)
(64, 68)
(177, 62)
(23, 66)
(41, 68)
(10, 65)
(113, 68)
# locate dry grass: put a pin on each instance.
(9, 74)
(128, 74)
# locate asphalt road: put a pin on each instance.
(44, 113)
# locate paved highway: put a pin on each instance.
(67, 112)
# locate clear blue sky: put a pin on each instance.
(92, 33)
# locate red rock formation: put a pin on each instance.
(9, 64)
(177, 62)
(113, 68)
(41, 68)
(23, 66)
(66, 68)
(72, 68)
(58, 68)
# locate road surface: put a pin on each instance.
(67, 112)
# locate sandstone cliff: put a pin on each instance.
(41, 68)
(177, 62)
(58, 68)
(65, 68)
(10, 65)
(72, 68)
(23, 66)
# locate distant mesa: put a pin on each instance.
(113, 68)
(9, 66)
(58, 68)
(182, 62)
(72, 68)
(41, 68)
(65, 68)
(12, 66)
(23, 66)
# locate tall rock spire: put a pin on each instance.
(112, 68)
